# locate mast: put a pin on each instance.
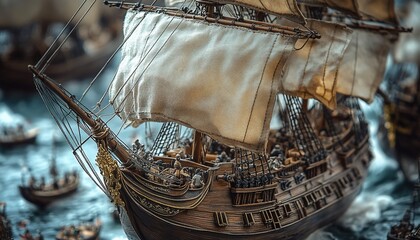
(197, 150)
(53, 167)
(304, 106)
(98, 128)
(197, 147)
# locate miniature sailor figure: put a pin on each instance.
(223, 157)
(276, 150)
(276, 162)
(197, 179)
(32, 181)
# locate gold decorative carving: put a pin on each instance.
(157, 188)
(111, 173)
(155, 207)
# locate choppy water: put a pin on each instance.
(382, 202)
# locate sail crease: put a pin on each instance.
(209, 77)
(363, 65)
(311, 72)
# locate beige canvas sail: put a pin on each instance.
(214, 78)
(311, 72)
(381, 10)
(285, 8)
(363, 64)
(346, 6)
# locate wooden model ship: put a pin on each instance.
(406, 228)
(43, 194)
(5, 225)
(10, 136)
(83, 231)
(401, 122)
(30, 33)
(213, 71)
(402, 97)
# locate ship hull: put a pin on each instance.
(201, 223)
(12, 141)
(152, 226)
(44, 198)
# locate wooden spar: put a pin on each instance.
(370, 25)
(197, 147)
(304, 105)
(113, 145)
(246, 23)
(379, 28)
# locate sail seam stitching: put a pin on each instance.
(306, 65)
(272, 81)
(355, 64)
(258, 88)
(341, 60)
(326, 61)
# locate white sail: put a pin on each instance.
(285, 8)
(311, 72)
(363, 64)
(215, 78)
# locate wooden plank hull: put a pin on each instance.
(11, 141)
(5, 228)
(152, 226)
(199, 223)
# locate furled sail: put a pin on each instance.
(311, 72)
(363, 64)
(285, 8)
(346, 6)
(378, 10)
(214, 78)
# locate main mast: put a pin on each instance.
(197, 149)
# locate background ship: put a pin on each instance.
(26, 36)
(401, 90)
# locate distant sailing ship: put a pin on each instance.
(31, 26)
(17, 136)
(401, 123)
(212, 71)
(5, 224)
(43, 194)
(406, 228)
(84, 231)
